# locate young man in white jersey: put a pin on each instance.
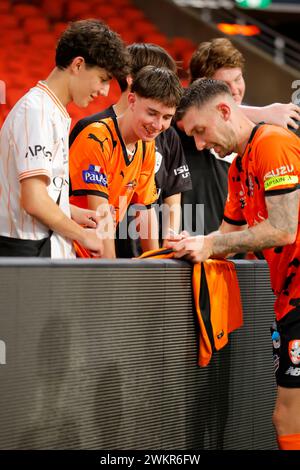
(35, 216)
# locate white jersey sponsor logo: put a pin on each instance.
(294, 371)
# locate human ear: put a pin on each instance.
(131, 99)
(77, 64)
(224, 110)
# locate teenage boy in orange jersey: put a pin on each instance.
(110, 165)
(172, 176)
(261, 213)
(36, 218)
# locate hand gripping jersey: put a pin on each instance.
(99, 165)
(217, 302)
(269, 166)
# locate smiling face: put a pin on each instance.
(149, 117)
(210, 128)
(234, 79)
(88, 83)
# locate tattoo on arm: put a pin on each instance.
(283, 211)
(278, 230)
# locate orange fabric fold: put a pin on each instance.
(217, 302)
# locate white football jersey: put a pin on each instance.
(34, 141)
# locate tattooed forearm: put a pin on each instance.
(253, 239)
(283, 211)
(278, 230)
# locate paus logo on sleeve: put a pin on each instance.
(94, 176)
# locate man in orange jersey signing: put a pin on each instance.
(261, 213)
(110, 165)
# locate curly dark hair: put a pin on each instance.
(97, 44)
(159, 84)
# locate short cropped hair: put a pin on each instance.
(200, 92)
(97, 44)
(159, 84)
(211, 56)
(142, 54)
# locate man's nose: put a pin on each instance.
(158, 123)
(200, 142)
(104, 89)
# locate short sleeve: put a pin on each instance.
(177, 176)
(145, 191)
(233, 213)
(33, 140)
(89, 161)
(277, 160)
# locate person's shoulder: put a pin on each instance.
(272, 135)
(29, 108)
(88, 120)
(106, 113)
(103, 126)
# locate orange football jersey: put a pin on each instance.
(269, 166)
(99, 165)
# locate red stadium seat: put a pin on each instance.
(183, 44)
(5, 6)
(59, 28)
(53, 9)
(76, 9)
(8, 21)
(133, 14)
(42, 40)
(23, 10)
(117, 24)
(144, 26)
(157, 38)
(13, 37)
(103, 11)
(129, 36)
(36, 25)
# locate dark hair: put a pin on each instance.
(97, 44)
(199, 93)
(142, 54)
(212, 55)
(159, 84)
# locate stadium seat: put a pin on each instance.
(157, 38)
(12, 37)
(104, 12)
(76, 10)
(24, 10)
(133, 14)
(43, 40)
(8, 21)
(37, 24)
(117, 24)
(59, 28)
(53, 9)
(5, 6)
